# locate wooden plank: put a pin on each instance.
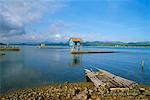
(111, 77)
(121, 81)
(85, 52)
(121, 89)
(124, 81)
(104, 78)
(94, 79)
(116, 84)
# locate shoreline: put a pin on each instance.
(77, 91)
(121, 46)
(66, 46)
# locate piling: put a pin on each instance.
(142, 64)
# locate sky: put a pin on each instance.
(58, 20)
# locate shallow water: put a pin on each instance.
(33, 66)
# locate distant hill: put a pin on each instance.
(38, 43)
(2, 44)
(99, 43)
(94, 43)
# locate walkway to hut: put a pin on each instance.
(89, 52)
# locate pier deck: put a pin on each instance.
(9, 49)
(52, 47)
(86, 52)
(104, 78)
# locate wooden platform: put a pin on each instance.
(10, 49)
(52, 47)
(86, 52)
(1, 54)
(104, 78)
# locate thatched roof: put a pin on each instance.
(76, 39)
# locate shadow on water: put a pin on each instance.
(14, 75)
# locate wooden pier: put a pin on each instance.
(104, 78)
(53, 47)
(1, 54)
(87, 52)
(9, 49)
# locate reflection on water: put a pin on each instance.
(14, 74)
(142, 66)
(142, 69)
(76, 60)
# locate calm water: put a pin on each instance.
(33, 66)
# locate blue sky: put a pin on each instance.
(93, 20)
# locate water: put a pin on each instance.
(33, 66)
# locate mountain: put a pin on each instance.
(87, 43)
(2, 44)
(101, 43)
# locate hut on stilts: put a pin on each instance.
(75, 44)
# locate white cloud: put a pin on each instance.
(57, 35)
(16, 14)
(57, 31)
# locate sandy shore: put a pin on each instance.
(77, 91)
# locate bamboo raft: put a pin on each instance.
(104, 78)
(85, 52)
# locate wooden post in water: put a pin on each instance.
(142, 65)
